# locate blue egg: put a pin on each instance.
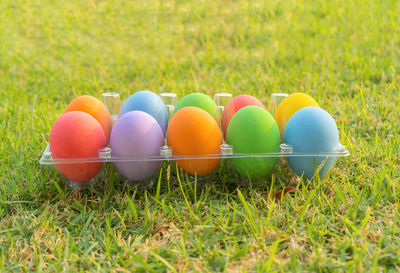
(311, 130)
(150, 103)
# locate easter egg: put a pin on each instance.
(253, 130)
(95, 108)
(311, 130)
(192, 131)
(234, 105)
(136, 134)
(201, 101)
(77, 135)
(150, 103)
(291, 105)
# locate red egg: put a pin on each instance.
(234, 105)
(77, 135)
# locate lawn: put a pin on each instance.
(346, 54)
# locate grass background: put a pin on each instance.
(343, 53)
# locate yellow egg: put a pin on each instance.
(291, 105)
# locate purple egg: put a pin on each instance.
(136, 134)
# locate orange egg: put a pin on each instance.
(192, 131)
(95, 108)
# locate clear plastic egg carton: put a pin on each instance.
(166, 156)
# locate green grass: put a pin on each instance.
(346, 54)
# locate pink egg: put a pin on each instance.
(235, 105)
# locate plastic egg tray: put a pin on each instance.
(112, 101)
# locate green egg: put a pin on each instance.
(198, 100)
(253, 130)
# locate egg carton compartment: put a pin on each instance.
(132, 179)
(73, 179)
(187, 164)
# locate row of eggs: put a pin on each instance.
(193, 129)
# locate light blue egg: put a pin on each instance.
(311, 130)
(150, 103)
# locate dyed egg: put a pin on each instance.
(95, 108)
(234, 105)
(201, 101)
(291, 105)
(253, 130)
(311, 130)
(136, 134)
(192, 131)
(77, 135)
(149, 103)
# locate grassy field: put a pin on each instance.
(346, 54)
